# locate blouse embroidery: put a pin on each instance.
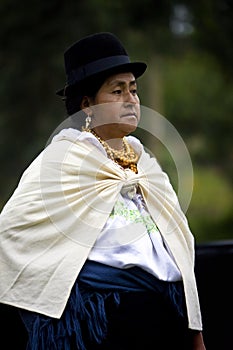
(134, 216)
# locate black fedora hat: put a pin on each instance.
(96, 56)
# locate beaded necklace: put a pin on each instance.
(126, 157)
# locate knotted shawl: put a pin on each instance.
(62, 202)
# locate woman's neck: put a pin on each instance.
(110, 138)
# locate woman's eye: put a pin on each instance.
(117, 92)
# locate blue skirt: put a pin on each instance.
(111, 308)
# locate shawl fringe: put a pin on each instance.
(86, 308)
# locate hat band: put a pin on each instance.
(95, 67)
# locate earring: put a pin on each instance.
(88, 123)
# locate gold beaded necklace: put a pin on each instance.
(126, 157)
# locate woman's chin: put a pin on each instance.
(127, 128)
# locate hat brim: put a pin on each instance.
(136, 68)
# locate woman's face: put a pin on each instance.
(116, 107)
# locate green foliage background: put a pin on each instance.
(188, 46)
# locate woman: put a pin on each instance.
(96, 252)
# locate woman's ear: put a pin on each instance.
(85, 104)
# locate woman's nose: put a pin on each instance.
(129, 97)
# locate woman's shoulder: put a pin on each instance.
(67, 134)
(76, 136)
(135, 143)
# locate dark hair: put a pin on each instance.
(73, 103)
(74, 98)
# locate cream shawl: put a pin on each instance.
(61, 204)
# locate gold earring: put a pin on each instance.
(88, 123)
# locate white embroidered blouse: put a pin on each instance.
(141, 246)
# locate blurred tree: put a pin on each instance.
(214, 30)
(198, 103)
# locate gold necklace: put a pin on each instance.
(126, 157)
